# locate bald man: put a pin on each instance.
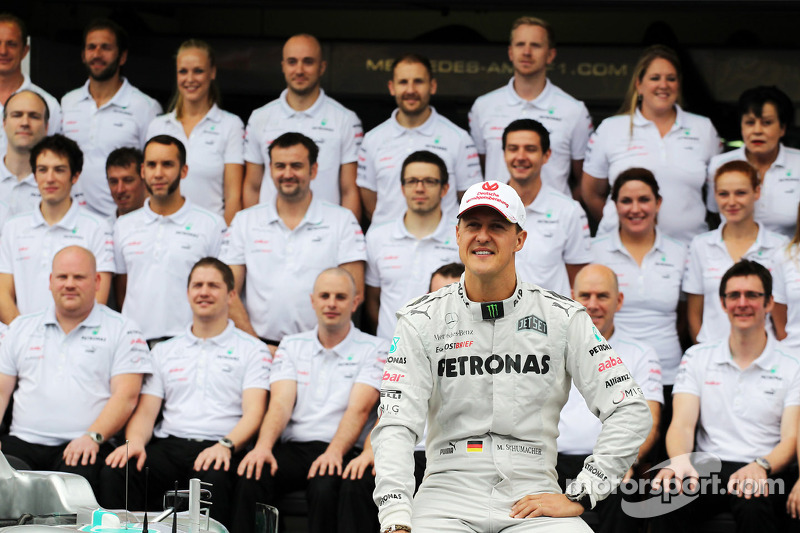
(77, 367)
(303, 107)
(324, 383)
(596, 288)
(25, 118)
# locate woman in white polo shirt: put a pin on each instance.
(765, 112)
(786, 290)
(214, 138)
(736, 190)
(649, 267)
(652, 131)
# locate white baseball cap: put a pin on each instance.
(498, 196)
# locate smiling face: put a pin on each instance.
(101, 55)
(302, 64)
(487, 243)
(735, 196)
(292, 172)
(208, 294)
(596, 289)
(659, 88)
(744, 303)
(637, 207)
(529, 51)
(334, 300)
(762, 135)
(12, 49)
(422, 187)
(524, 156)
(162, 171)
(54, 177)
(412, 87)
(194, 75)
(127, 187)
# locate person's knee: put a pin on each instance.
(324, 488)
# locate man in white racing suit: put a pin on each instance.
(488, 363)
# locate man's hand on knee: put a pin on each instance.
(554, 505)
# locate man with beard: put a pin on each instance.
(13, 49)
(157, 245)
(403, 253)
(279, 247)
(106, 113)
(305, 108)
(414, 125)
(25, 124)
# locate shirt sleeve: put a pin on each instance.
(283, 367)
(147, 116)
(372, 275)
(711, 200)
(217, 236)
(103, 247)
(366, 176)
(595, 161)
(468, 165)
(234, 147)
(232, 248)
(132, 355)
(352, 246)
(693, 275)
(580, 134)
(778, 276)
(475, 129)
(577, 249)
(371, 370)
(6, 245)
(8, 361)
(252, 141)
(259, 363)
(353, 134)
(153, 383)
(119, 257)
(686, 379)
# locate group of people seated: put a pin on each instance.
(110, 210)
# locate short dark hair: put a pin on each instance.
(635, 174)
(424, 156)
(46, 107)
(753, 100)
(59, 145)
(528, 124)
(292, 138)
(125, 157)
(222, 268)
(745, 267)
(168, 140)
(740, 166)
(413, 58)
(9, 18)
(450, 270)
(107, 24)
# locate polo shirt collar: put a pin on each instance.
(680, 118)
(427, 128)
(439, 234)
(93, 320)
(178, 217)
(219, 340)
(765, 361)
(540, 101)
(761, 236)
(617, 246)
(540, 204)
(313, 213)
(68, 221)
(780, 161)
(213, 115)
(340, 350)
(122, 98)
(314, 110)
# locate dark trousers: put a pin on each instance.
(294, 461)
(170, 459)
(357, 510)
(612, 518)
(41, 457)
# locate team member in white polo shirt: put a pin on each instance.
(156, 246)
(30, 240)
(596, 289)
(414, 125)
(786, 289)
(281, 246)
(649, 266)
(741, 396)
(529, 94)
(215, 142)
(107, 112)
(736, 189)
(558, 232)
(25, 124)
(14, 41)
(765, 112)
(323, 385)
(305, 107)
(652, 131)
(124, 176)
(75, 370)
(402, 254)
(212, 382)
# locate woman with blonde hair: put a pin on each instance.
(652, 131)
(214, 139)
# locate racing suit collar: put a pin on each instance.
(490, 310)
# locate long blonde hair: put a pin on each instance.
(632, 97)
(214, 97)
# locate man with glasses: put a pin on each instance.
(741, 396)
(402, 254)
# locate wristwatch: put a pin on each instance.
(763, 463)
(96, 437)
(396, 527)
(576, 492)
(228, 443)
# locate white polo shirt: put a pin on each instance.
(157, 253)
(202, 381)
(740, 410)
(786, 290)
(53, 124)
(335, 129)
(21, 196)
(578, 428)
(652, 291)
(282, 264)
(558, 234)
(401, 265)
(325, 378)
(567, 121)
(384, 149)
(780, 189)
(217, 140)
(63, 381)
(29, 245)
(708, 260)
(678, 160)
(122, 121)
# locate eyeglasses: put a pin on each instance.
(428, 183)
(750, 296)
